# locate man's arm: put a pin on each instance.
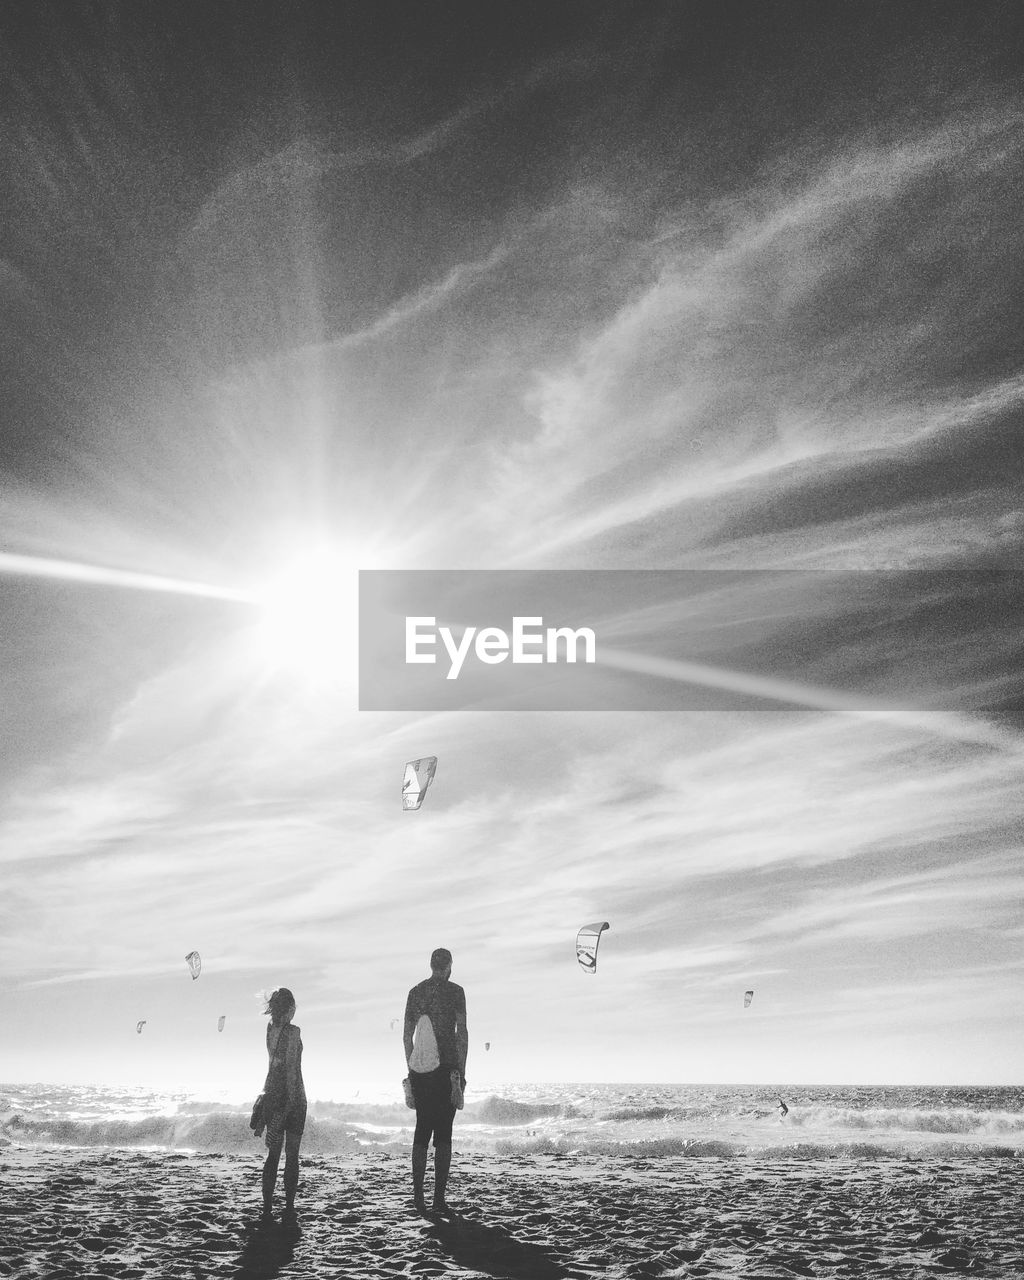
(462, 1036)
(408, 1028)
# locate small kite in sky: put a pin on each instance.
(139, 1025)
(747, 997)
(587, 941)
(487, 1044)
(418, 776)
(195, 965)
(220, 1022)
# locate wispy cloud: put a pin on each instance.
(963, 896)
(746, 364)
(425, 301)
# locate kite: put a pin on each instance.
(586, 945)
(220, 1022)
(195, 965)
(139, 1025)
(418, 776)
(747, 997)
(487, 1044)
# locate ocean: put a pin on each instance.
(929, 1123)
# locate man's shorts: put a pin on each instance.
(432, 1093)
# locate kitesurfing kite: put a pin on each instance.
(418, 776)
(747, 997)
(220, 1022)
(195, 965)
(586, 945)
(487, 1044)
(139, 1025)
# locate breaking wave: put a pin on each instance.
(506, 1111)
(557, 1120)
(225, 1132)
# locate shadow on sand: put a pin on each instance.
(268, 1248)
(493, 1251)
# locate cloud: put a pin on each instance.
(518, 354)
(784, 352)
(426, 300)
(951, 897)
(14, 284)
(256, 817)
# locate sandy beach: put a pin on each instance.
(81, 1215)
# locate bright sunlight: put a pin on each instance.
(309, 620)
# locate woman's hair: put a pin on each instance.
(278, 1004)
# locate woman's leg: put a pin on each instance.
(291, 1169)
(270, 1175)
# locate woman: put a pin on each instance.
(284, 1100)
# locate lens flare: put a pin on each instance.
(309, 618)
(102, 576)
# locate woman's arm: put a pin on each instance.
(293, 1063)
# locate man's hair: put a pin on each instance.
(440, 959)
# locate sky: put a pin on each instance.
(291, 292)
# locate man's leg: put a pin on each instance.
(420, 1139)
(419, 1170)
(442, 1154)
(442, 1164)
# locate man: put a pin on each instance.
(436, 1044)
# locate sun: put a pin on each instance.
(309, 618)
